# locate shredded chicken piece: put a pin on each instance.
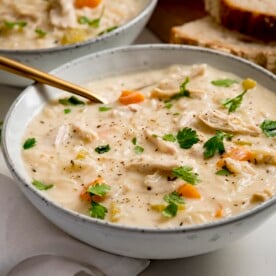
(84, 133)
(221, 121)
(162, 146)
(265, 156)
(147, 164)
(198, 70)
(238, 167)
(170, 86)
(62, 134)
(63, 14)
(28, 9)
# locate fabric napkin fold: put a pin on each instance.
(24, 233)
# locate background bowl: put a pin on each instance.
(49, 58)
(131, 241)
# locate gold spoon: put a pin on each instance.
(23, 70)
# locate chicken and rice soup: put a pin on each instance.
(34, 24)
(178, 146)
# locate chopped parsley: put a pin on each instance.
(186, 138)
(168, 105)
(104, 108)
(215, 144)
(224, 82)
(42, 186)
(95, 23)
(134, 141)
(269, 128)
(97, 210)
(71, 101)
(183, 92)
(40, 33)
(234, 103)
(66, 110)
(99, 189)
(169, 137)
(224, 171)
(11, 25)
(102, 149)
(108, 30)
(29, 143)
(174, 199)
(186, 173)
(138, 149)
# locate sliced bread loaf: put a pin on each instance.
(207, 33)
(252, 17)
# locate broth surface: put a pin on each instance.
(140, 150)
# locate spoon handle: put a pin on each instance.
(23, 70)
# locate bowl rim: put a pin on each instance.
(102, 223)
(94, 40)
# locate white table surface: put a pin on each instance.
(254, 255)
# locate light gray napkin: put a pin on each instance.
(24, 233)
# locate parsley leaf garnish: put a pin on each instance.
(71, 101)
(29, 143)
(174, 199)
(108, 30)
(186, 138)
(186, 173)
(224, 82)
(67, 110)
(168, 105)
(104, 108)
(169, 137)
(134, 140)
(138, 149)
(269, 128)
(11, 25)
(234, 103)
(215, 144)
(183, 92)
(102, 149)
(42, 186)
(97, 210)
(40, 33)
(224, 171)
(90, 22)
(99, 189)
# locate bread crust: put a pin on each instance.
(260, 55)
(254, 23)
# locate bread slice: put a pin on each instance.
(207, 33)
(252, 17)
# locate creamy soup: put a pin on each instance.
(176, 146)
(32, 24)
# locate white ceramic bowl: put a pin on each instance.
(131, 241)
(49, 58)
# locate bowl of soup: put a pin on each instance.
(180, 161)
(45, 34)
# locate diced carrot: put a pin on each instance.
(131, 97)
(239, 154)
(85, 196)
(189, 191)
(79, 4)
(219, 212)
